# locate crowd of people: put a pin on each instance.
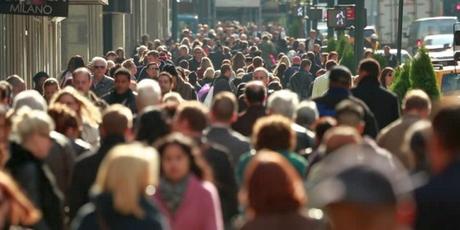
(228, 129)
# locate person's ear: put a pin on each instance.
(361, 127)
(234, 117)
(129, 135)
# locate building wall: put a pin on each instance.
(29, 44)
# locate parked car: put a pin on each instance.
(438, 42)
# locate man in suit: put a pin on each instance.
(380, 101)
(312, 40)
(223, 113)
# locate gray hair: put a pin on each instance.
(31, 99)
(148, 93)
(283, 102)
(307, 113)
(99, 59)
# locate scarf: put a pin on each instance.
(172, 193)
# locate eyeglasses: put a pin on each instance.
(99, 67)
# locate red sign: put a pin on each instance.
(351, 13)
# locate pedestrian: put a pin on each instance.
(185, 187)
(383, 103)
(301, 81)
(124, 182)
(82, 81)
(49, 88)
(222, 83)
(38, 79)
(195, 61)
(121, 93)
(31, 145)
(274, 195)
(273, 133)
(17, 83)
(321, 83)
(386, 77)
(116, 128)
(74, 63)
(102, 84)
(153, 124)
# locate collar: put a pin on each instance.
(338, 91)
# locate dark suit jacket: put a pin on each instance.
(85, 173)
(300, 83)
(236, 143)
(380, 101)
(326, 106)
(247, 119)
(221, 84)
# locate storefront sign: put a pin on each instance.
(54, 8)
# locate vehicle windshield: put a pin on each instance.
(432, 27)
(439, 40)
(450, 84)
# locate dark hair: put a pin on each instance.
(238, 61)
(225, 68)
(39, 75)
(5, 90)
(63, 117)
(371, 66)
(330, 64)
(255, 92)
(257, 62)
(194, 113)
(446, 126)
(224, 106)
(184, 64)
(349, 113)
(153, 124)
(383, 74)
(75, 62)
(322, 125)
(122, 71)
(340, 75)
(197, 165)
(282, 188)
(305, 63)
(280, 70)
(274, 133)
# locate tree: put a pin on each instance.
(331, 44)
(348, 58)
(422, 74)
(401, 83)
(381, 59)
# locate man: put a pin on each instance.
(317, 53)
(38, 80)
(152, 56)
(438, 201)
(312, 40)
(321, 83)
(390, 58)
(339, 90)
(301, 81)
(148, 94)
(191, 120)
(256, 63)
(82, 81)
(116, 128)
(307, 114)
(416, 106)
(195, 62)
(121, 93)
(165, 80)
(17, 83)
(285, 103)
(183, 54)
(223, 113)
(268, 50)
(222, 83)
(255, 94)
(296, 61)
(102, 84)
(380, 101)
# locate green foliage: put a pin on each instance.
(348, 58)
(331, 44)
(295, 28)
(422, 74)
(401, 83)
(381, 59)
(342, 45)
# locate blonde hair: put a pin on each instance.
(209, 73)
(88, 111)
(206, 63)
(128, 172)
(27, 122)
(285, 59)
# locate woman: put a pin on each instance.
(15, 209)
(386, 77)
(75, 62)
(196, 76)
(238, 61)
(273, 194)
(274, 133)
(88, 114)
(29, 148)
(185, 194)
(126, 177)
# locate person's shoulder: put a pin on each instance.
(86, 218)
(108, 79)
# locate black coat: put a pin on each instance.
(248, 118)
(85, 172)
(221, 84)
(127, 99)
(300, 83)
(100, 214)
(326, 106)
(438, 202)
(380, 101)
(37, 181)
